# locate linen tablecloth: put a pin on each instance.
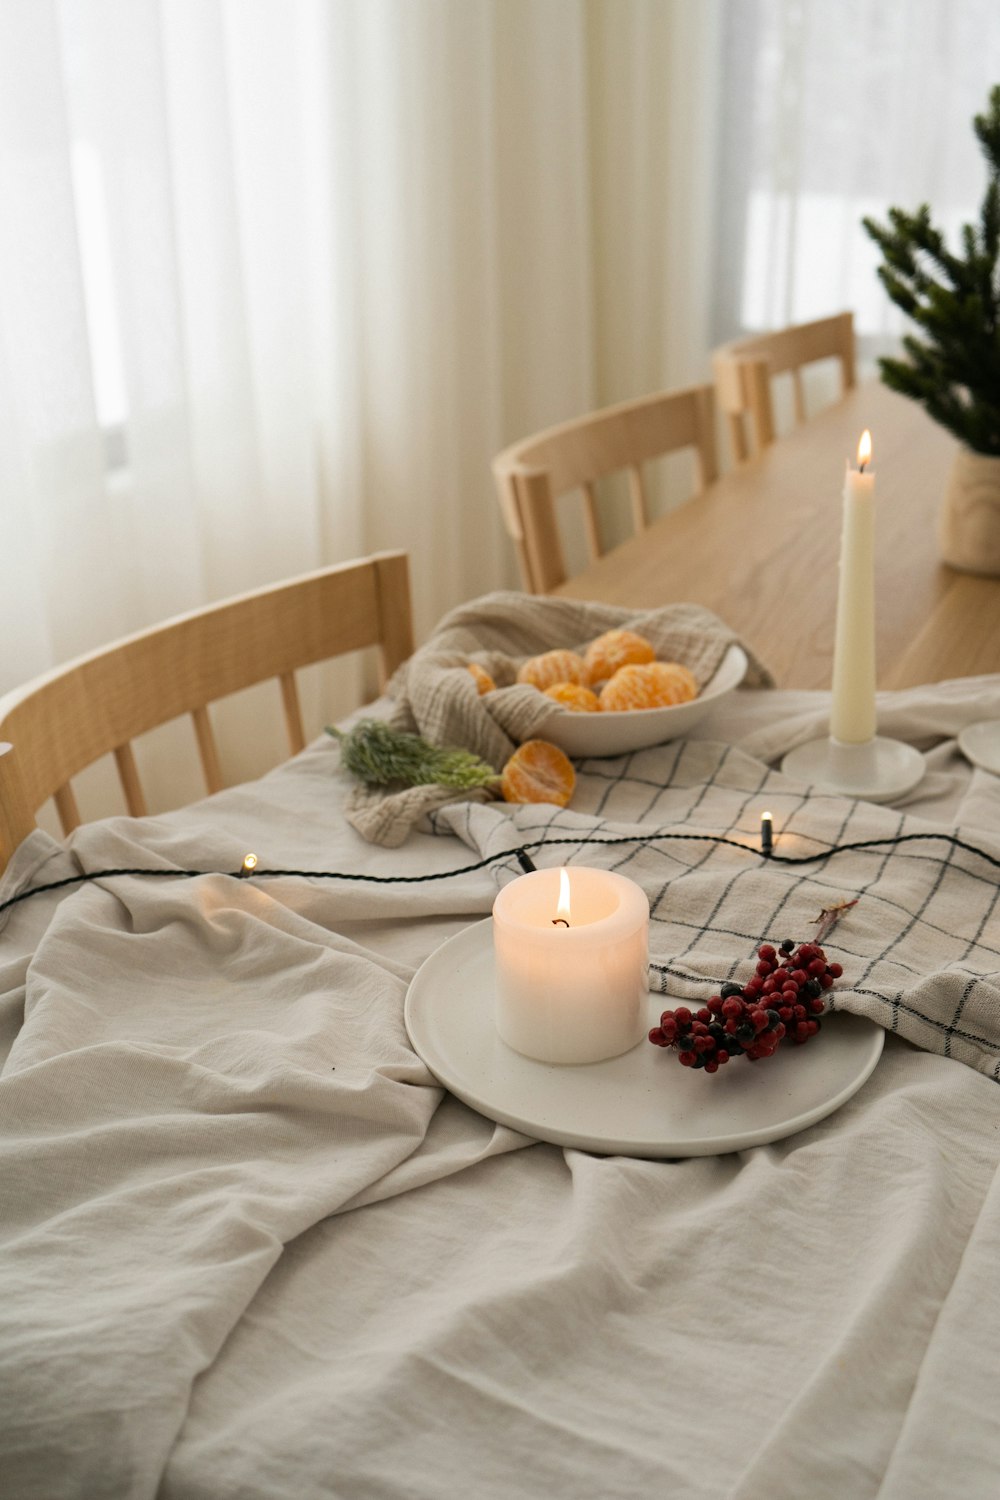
(249, 1247)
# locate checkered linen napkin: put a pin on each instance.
(436, 696)
(920, 950)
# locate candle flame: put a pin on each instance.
(562, 910)
(864, 449)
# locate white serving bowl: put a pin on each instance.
(596, 734)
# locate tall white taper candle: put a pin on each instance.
(852, 709)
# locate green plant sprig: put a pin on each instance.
(954, 300)
(382, 756)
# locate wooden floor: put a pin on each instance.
(761, 549)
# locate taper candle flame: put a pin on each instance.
(561, 918)
(864, 450)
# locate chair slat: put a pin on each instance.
(395, 614)
(69, 813)
(207, 749)
(637, 495)
(128, 775)
(17, 816)
(543, 549)
(293, 712)
(800, 396)
(592, 522)
(758, 386)
(737, 437)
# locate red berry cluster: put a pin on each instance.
(781, 1002)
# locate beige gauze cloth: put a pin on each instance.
(437, 697)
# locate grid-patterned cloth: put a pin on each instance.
(920, 950)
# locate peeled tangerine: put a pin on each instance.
(538, 772)
(484, 682)
(551, 667)
(655, 684)
(572, 696)
(614, 649)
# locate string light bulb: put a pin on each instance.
(249, 864)
(766, 833)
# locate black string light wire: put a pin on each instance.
(251, 868)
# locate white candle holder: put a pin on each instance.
(980, 744)
(878, 770)
(853, 760)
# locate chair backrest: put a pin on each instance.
(744, 369)
(54, 727)
(531, 474)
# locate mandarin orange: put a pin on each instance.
(573, 696)
(653, 684)
(676, 679)
(538, 772)
(614, 649)
(550, 667)
(484, 682)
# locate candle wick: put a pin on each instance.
(861, 467)
(559, 922)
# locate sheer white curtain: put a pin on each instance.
(279, 277)
(836, 109)
(156, 348)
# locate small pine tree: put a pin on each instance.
(955, 302)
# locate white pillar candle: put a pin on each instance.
(571, 975)
(852, 708)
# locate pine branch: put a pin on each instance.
(954, 301)
(382, 756)
(987, 129)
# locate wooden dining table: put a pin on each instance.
(761, 546)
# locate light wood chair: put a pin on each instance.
(54, 727)
(745, 368)
(532, 474)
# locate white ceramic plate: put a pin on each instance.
(583, 734)
(640, 1104)
(980, 744)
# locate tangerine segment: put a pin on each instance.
(614, 649)
(655, 684)
(676, 679)
(538, 772)
(484, 682)
(551, 667)
(571, 695)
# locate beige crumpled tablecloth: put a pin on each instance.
(250, 1248)
(436, 696)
